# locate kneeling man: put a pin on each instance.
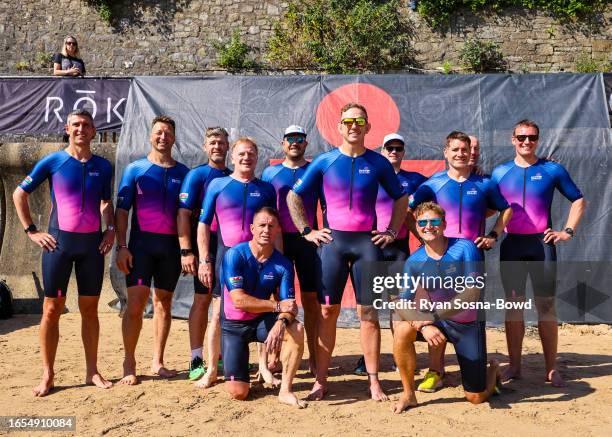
(252, 272)
(445, 274)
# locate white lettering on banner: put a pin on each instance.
(55, 110)
(94, 106)
(108, 111)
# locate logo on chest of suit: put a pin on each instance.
(255, 194)
(404, 184)
(471, 192)
(94, 173)
(175, 181)
(451, 269)
(268, 276)
(537, 177)
(365, 170)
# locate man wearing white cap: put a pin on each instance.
(393, 148)
(301, 252)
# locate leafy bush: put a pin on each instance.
(43, 59)
(233, 54)
(482, 56)
(341, 36)
(586, 64)
(23, 66)
(438, 12)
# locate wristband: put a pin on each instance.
(278, 308)
(391, 232)
(121, 246)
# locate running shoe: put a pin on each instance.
(361, 367)
(196, 369)
(431, 383)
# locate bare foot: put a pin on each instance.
(555, 379)
(160, 370)
(129, 380)
(404, 403)
(97, 380)
(265, 376)
(45, 386)
(129, 373)
(377, 393)
(510, 373)
(207, 380)
(318, 392)
(289, 398)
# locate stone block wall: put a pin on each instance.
(163, 37)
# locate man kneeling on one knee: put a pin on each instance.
(447, 275)
(251, 272)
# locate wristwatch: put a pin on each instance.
(307, 230)
(569, 231)
(185, 252)
(31, 228)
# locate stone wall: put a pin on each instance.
(175, 37)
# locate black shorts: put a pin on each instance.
(198, 287)
(470, 342)
(156, 257)
(82, 249)
(348, 253)
(527, 254)
(235, 338)
(303, 254)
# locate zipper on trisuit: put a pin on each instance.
(351, 183)
(460, 205)
(83, 172)
(524, 185)
(164, 189)
(244, 202)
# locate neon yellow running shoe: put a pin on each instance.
(431, 383)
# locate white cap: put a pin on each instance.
(294, 129)
(393, 137)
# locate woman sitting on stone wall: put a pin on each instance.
(68, 63)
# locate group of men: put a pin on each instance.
(242, 238)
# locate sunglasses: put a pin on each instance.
(522, 138)
(398, 149)
(434, 222)
(71, 43)
(348, 122)
(295, 139)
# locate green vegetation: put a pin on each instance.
(586, 64)
(233, 54)
(23, 66)
(438, 12)
(482, 56)
(104, 9)
(341, 36)
(43, 59)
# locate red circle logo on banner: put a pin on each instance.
(383, 114)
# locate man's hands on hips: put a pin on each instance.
(44, 240)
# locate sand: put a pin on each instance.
(175, 407)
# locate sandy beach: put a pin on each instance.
(175, 407)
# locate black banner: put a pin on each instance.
(40, 105)
(607, 77)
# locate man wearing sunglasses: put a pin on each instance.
(445, 271)
(394, 150)
(528, 183)
(301, 252)
(466, 197)
(348, 178)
